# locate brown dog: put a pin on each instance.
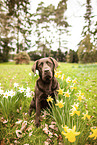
(46, 85)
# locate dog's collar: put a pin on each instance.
(52, 88)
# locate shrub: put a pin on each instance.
(21, 58)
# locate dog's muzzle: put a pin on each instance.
(47, 75)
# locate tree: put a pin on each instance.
(19, 9)
(88, 19)
(6, 33)
(48, 18)
(85, 49)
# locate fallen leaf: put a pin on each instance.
(30, 134)
(46, 129)
(30, 128)
(19, 133)
(52, 126)
(3, 120)
(24, 125)
(46, 143)
(16, 142)
(19, 122)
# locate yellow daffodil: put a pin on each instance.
(68, 80)
(60, 91)
(65, 128)
(67, 94)
(74, 81)
(74, 111)
(63, 77)
(49, 99)
(94, 133)
(86, 115)
(60, 104)
(71, 134)
(80, 96)
(73, 88)
(57, 73)
(75, 105)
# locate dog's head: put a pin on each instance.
(46, 67)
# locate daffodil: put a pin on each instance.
(63, 77)
(11, 93)
(6, 94)
(60, 104)
(80, 96)
(68, 80)
(67, 94)
(70, 134)
(49, 99)
(21, 89)
(86, 115)
(73, 88)
(94, 133)
(16, 85)
(60, 91)
(1, 91)
(75, 111)
(57, 74)
(74, 81)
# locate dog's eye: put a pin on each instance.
(48, 63)
(41, 64)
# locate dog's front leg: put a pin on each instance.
(38, 109)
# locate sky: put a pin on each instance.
(75, 11)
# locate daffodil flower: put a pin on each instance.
(60, 104)
(6, 94)
(49, 99)
(80, 96)
(63, 77)
(86, 115)
(68, 80)
(67, 94)
(57, 74)
(74, 81)
(75, 111)
(70, 134)
(60, 91)
(21, 89)
(16, 85)
(94, 133)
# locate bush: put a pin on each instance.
(21, 58)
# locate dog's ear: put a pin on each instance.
(54, 62)
(34, 67)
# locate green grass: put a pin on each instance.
(10, 73)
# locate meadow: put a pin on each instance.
(74, 114)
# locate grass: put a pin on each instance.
(10, 73)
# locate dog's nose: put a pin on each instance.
(46, 70)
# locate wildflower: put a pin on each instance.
(67, 94)
(1, 91)
(11, 93)
(49, 99)
(16, 85)
(57, 74)
(74, 81)
(80, 96)
(28, 89)
(6, 94)
(86, 115)
(68, 80)
(73, 88)
(60, 91)
(63, 77)
(75, 105)
(71, 134)
(60, 104)
(74, 111)
(94, 133)
(28, 94)
(65, 128)
(21, 89)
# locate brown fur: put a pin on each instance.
(46, 85)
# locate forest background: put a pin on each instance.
(37, 32)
